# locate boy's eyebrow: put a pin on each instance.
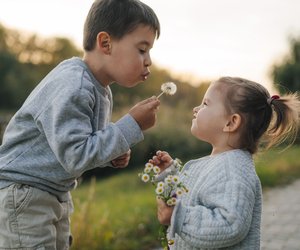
(144, 42)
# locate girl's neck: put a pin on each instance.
(216, 150)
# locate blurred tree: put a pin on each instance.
(287, 73)
(24, 60)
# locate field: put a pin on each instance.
(119, 213)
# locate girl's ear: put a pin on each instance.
(104, 42)
(233, 124)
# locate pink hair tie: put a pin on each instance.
(272, 98)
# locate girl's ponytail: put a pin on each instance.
(266, 120)
(285, 119)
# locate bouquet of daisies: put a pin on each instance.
(168, 187)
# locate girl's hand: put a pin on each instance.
(162, 159)
(164, 212)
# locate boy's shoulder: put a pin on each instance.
(70, 74)
(72, 67)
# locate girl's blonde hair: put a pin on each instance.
(266, 120)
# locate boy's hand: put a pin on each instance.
(164, 212)
(162, 159)
(144, 112)
(122, 161)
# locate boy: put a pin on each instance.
(63, 128)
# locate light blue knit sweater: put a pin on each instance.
(223, 207)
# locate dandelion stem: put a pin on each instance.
(160, 94)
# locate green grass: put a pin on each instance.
(119, 213)
(115, 213)
(278, 167)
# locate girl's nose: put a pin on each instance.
(196, 109)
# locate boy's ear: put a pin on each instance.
(233, 123)
(104, 42)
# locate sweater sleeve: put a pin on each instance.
(67, 125)
(222, 218)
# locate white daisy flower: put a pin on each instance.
(160, 184)
(149, 165)
(168, 88)
(173, 200)
(145, 177)
(159, 190)
(156, 169)
(168, 179)
(175, 179)
(179, 192)
(170, 202)
(147, 170)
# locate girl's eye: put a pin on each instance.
(203, 104)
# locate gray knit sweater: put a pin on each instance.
(62, 130)
(223, 207)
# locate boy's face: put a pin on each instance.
(130, 57)
(210, 117)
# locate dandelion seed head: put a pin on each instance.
(169, 88)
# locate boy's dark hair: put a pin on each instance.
(117, 18)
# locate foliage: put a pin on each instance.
(114, 214)
(24, 60)
(287, 73)
(278, 166)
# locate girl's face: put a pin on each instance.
(130, 57)
(210, 117)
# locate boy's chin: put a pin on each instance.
(129, 85)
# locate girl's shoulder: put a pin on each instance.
(234, 157)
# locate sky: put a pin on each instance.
(200, 39)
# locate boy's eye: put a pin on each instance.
(142, 51)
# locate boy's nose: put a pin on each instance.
(148, 61)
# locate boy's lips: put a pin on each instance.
(145, 75)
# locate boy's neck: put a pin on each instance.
(96, 66)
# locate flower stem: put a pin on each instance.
(160, 94)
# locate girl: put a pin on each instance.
(223, 206)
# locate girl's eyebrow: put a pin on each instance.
(205, 100)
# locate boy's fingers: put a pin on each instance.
(150, 99)
(153, 104)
